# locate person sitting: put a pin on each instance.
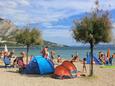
(6, 59)
(59, 59)
(19, 61)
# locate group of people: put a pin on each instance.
(10, 60)
(104, 59)
(75, 58)
(6, 57)
(45, 53)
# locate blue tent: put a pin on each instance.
(88, 58)
(97, 61)
(39, 65)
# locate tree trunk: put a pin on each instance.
(91, 60)
(27, 54)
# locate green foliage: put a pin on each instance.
(29, 37)
(96, 28)
(93, 29)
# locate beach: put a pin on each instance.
(102, 77)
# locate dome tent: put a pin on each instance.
(65, 70)
(39, 65)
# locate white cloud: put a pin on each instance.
(23, 2)
(50, 26)
(48, 10)
(8, 4)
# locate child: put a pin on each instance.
(84, 65)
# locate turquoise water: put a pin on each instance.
(65, 52)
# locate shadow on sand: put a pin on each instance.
(29, 75)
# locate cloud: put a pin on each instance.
(23, 2)
(55, 26)
(47, 10)
(50, 14)
(13, 10)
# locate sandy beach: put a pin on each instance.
(102, 77)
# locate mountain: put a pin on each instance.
(52, 44)
(6, 27)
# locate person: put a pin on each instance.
(59, 59)
(102, 57)
(45, 52)
(7, 60)
(31, 57)
(2, 55)
(20, 60)
(110, 59)
(12, 55)
(52, 53)
(106, 60)
(84, 65)
(74, 59)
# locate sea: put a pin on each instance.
(65, 52)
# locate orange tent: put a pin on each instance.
(108, 53)
(69, 65)
(65, 70)
(61, 71)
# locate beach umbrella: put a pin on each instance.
(108, 53)
(5, 48)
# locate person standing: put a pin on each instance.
(45, 52)
(84, 65)
(52, 53)
(110, 59)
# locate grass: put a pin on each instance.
(108, 66)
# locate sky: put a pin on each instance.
(53, 17)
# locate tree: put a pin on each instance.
(29, 37)
(92, 29)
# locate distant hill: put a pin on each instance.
(46, 43)
(6, 27)
(52, 44)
